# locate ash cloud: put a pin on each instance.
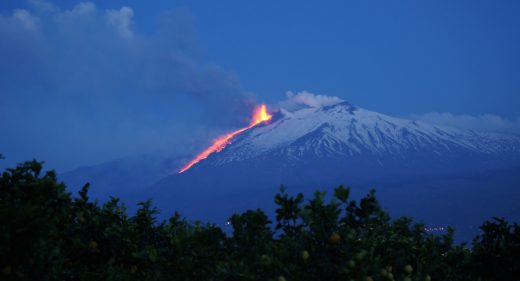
(85, 85)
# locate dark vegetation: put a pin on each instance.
(47, 234)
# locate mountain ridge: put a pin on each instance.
(344, 130)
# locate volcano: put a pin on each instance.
(417, 168)
(342, 140)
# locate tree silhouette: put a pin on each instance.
(46, 234)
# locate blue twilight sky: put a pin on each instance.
(86, 82)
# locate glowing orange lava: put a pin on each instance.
(260, 115)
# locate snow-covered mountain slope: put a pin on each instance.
(344, 131)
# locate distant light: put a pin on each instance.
(435, 228)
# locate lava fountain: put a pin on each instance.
(260, 115)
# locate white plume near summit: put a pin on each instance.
(306, 99)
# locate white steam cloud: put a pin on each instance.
(305, 98)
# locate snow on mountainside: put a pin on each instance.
(343, 130)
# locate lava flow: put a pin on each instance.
(260, 115)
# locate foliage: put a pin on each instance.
(46, 234)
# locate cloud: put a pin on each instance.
(83, 8)
(121, 20)
(27, 20)
(485, 122)
(43, 6)
(84, 85)
(305, 98)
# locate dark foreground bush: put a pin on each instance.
(45, 234)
